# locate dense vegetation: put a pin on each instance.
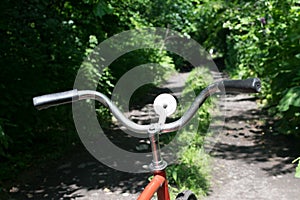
(43, 46)
(262, 39)
(43, 43)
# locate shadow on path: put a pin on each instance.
(76, 175)
(250, 160)
(277, 151)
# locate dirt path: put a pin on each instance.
(248, 163)
(76, 176)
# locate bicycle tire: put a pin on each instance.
(186, 195)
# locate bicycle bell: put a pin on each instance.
(167, 102)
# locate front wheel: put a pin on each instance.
(186, 195)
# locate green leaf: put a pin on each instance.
(174, 175)
(297, 174)
(102, 9)
(291, 98)
(246, 20)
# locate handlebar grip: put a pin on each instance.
(49, 100)
(251, 85)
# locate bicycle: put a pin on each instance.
(164, 105)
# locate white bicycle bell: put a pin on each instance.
(165, 101)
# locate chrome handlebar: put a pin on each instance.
(252, 85)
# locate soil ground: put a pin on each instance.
(249, 160)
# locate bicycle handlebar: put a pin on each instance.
(251, 85)
(49, 100)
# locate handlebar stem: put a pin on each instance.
(157, 163)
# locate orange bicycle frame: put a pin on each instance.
(158, 184)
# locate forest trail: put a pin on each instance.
(249, 160)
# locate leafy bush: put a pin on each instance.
(261, 38)
(40, 55)
(43, 46)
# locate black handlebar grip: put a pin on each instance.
(49, 100)
(251, 85)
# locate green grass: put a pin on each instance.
(192, 170)
(190, 173)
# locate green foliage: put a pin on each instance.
(193, 87)
(191, 173)
(261, 38)
(39, 56)
(177, 15)
(192, 170)
(4, 141)
(297, 175)
(43, 45)
(290, 98)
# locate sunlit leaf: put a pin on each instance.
(297, 174)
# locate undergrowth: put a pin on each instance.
(191, 172)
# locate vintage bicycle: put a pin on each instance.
(164, 105)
